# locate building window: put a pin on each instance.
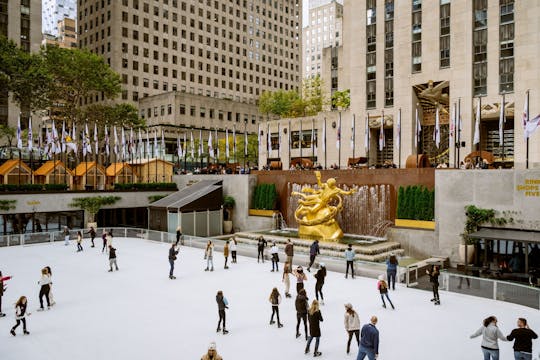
(480, 38)
(506, 39)
(371, 54)
(389, 53)
(416, 36)
(444, 40)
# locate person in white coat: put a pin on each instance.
(490, 334)
(109, 239)
(209, 255)
(275, 257)
(45, 283)
(352, 325)
(232, 247)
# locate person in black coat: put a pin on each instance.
(434, 280)
(301, 305)
(222, 305)
(313, 252)
(173, 251)
(320, 275)
(112, 258)
(92, 233)
(261, 244)
(315, 318)
(523, 336)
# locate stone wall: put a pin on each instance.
(417, 243)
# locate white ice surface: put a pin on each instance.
(138, 313)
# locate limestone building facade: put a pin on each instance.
(54, 11)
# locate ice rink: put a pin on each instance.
(138, 313)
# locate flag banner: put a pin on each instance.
(192, 146)
(163, 147)
(502, 120)
(140, 146)
(217, 144)
(63, 137)
(382, 141)
(57, 147)
(338, 137)
(19, 134)
(437, 130)
(200, 149)
(107, 145)
(30, 135)
(115, 142)
(73, 140)
(131, 143)
(148, 148)
(398, 137)
(532, 125)
(184, 153)
(476, 138)
(210, 145)
(48, 142)
(352, 132)
(366, 134)
(123, 140)
(245, 143)
(178, 147)
(96, 142)
(87, 139)
(268, 140)
(417, 130)
(227, 143)
(156, 150)
(525, 116)
(451, 133)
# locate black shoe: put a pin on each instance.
(306, 351)
(308, 270)
(218, 329)
(345, 276)
(225, 332)
(317, 353)
(2, 314)
(206, 269)
(272, 270)
(348, 351)
(12, 332)
(432, 300)
(279, 325)
(26, 332)
(272, 322)
(212, 269)
(110, 270)
(298, 335)
(384, 306)
(437, 302)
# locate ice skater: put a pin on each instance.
(391, 271)
(352, 325)
(490, 334)
(66, 235)
(313, 252)
(20, 315)
(178, 235)
(208, 256)
(261, 244)
(300, 278)
(104, 238)
(523, 336)
(286, 280)
(109, 238)
(2, 290)
(315, 318)
(232, 247)
(44, 283)
(92, 233)
(275, 257)
(301, 305)
(173, 252)
(434, 280)
(369, 341)
(112, 258)
(349, 258)
(320, 275)
(49, 272)
(79, 241)
(222, 305)
(211, 354)
(289, 251)
(382, 286)
(275, 300)
(226, 254)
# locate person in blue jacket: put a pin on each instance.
(369, 341)
(313, 252)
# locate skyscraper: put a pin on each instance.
(54, 11)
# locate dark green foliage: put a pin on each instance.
(93, 204)
(416, 203)
(146, 186)
(6, 205)
(476, 217)
(265, 197)
(154, 198)
(33, 187)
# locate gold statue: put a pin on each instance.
(315, 215)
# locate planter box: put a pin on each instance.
(416, 224)
(258, 212)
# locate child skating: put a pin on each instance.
(20, 315)
(382, 285)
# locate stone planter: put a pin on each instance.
(470, 253)
(227, 227)
(415, 224)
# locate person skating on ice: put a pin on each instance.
(109, 238)
(490, 334)
(369, 341)
(434, 280)
(523, 337)
(3, 288)
(301, 305)
(391, 271)
(92, 233)
(275, 257)
(104, 239)
(320, 276)
(313, 252)
(222, 305)
(226, 254)
(212, 353)
(173, 252)
(112, 258)
(261, 244)
(232, 247)
(51, 298)
(79, 241)
(208, 256)
(45, 287)
(178, 235)
(382, 286)
(315, 318)
(349, 258)
(20, 315)
(275, 300)
(286, 280)
(352, 325)
(300, 278)
(289, 251)
(66, 235)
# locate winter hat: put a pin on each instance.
(321, 264)
(212, 346)
(350, 246)
(348, 306)
(381, 277)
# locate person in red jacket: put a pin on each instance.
(2, 289)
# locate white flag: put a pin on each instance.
(87, 139)
(417, 130)
(525, 117)
(200, 149)
(63, 137)
(107, 146)
(227, 143)
(476, 138)
(115, 149)
(30, 135)
(210, 146)
(234, 141)
(366, 134)
(437, 131)
(140, 149)
(19, 134)
(131, 145)
(184, 152)
(156, 150)
(381, 134)
(217, 144)
(123, 144)
(245, 143)
(148, 148)
(532, 125)
(502, 120)
(352, 132)
(398, 136)
(192, 146)
(96, 142)
(163, 147)
(178, 147)
(56, 147)
(338, 137)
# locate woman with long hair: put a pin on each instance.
(45, 283)
(275, 300)
(79, 241)
(391, 271)
(233, 249)
(300, 278)
(352, 325)
(490, 334)
(286, 280)
(208, 255)
(222, 305)
(314, 317)
(382, 286)
(20, 315)
(49, 272)
(320, 275)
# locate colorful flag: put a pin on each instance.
(502, 120)
(476, 138)
(451, 133)
(217, 144)
(200, 148)
(96, 142)
(268, 140)
(382, 141)
(353, 132)
(115, 149)
(192, 146)
(366, 135)
(30, 135)
(185, 145)
(227, 143)
(56, 147)
(338, 137)
(107, 146)
(210, 145)
(245, 143)
(417, 130)
(437, 130)
(123, 153)
(525, 116)
(19, 133)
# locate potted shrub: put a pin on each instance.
(228, 206)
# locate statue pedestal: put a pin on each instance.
(328, 231)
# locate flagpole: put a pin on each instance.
(399, 137)
(245, 146)
(353, 135)
(324, 140)
(504, 121)
(479, 145)
(368, 138)
(527, 140)
(458, 130)
(300, 138)
(339, 150)
(454, 137)
(313, 140)
(417, 121)
(289, 146)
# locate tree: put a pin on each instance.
(78, 74)
(123, 115)
(93, 204)
(341, 100)
(8, 133)
(313, 95)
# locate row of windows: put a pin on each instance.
(202, 112)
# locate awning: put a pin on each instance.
(507, 234)
(203, 195)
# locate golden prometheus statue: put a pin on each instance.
(315, 215)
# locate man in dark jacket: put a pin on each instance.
(434, 279)
(523, 336)
(369, 342)
(313, 252)
(261, 244)
(112, 258)
(289, 251)
(173, 251)
(301, 304)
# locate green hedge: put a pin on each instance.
(416, 203)
(145, 186)
(265, 197)
(33, 187)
